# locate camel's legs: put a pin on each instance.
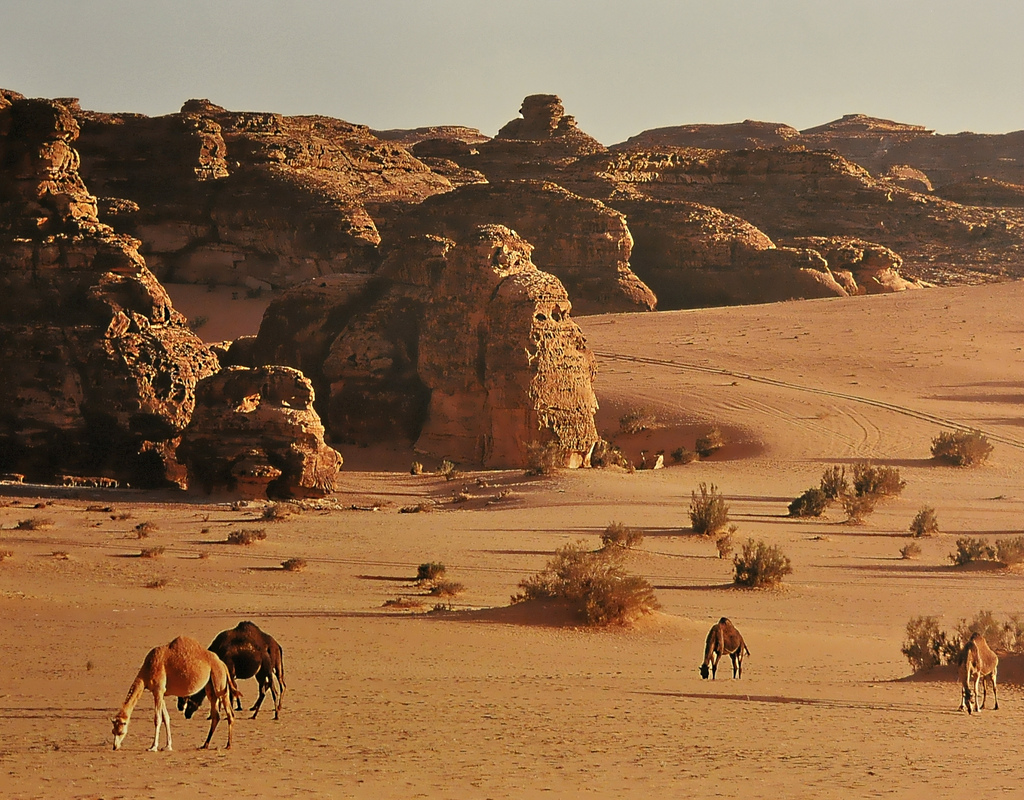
(167, 722)
(214, 719)
(159, 716)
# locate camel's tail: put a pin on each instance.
(233, 690)
(746, 649)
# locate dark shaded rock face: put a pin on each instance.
(254, 433)
(97, 370)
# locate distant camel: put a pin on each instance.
(247, 651)
(723, 638)
(978, 663)
(178, 669)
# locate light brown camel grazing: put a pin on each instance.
(247, 651)
(178, 669)
(723, 638)
(978, 664)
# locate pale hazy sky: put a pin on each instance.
(620, 67)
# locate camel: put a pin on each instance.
(178, 669)
(247, 652)
(723, 638)
(978, 663)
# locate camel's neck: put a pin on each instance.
(138, 687)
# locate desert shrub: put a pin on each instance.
(544, 458)
(969, 549)
(143, 529)
(275, 512)
(605, 454)
(683, 456)
(446, 588)
(709, 442)
(925, 523)
(159, 583)
(709, 513)
(857, 507)
(404, 603)
(152, 552)
(619, 535)
(416, 509)
(1010, 551)
(724, 544)
(34, 524)
(760, 564)
(6, 554)
(811, 503)
(294, 565)
(926, 646)
(961, 448)
(637, 419)
(910, 550)
(121, 516)
(878, 481)
(595, 583)
(834, 483)
(430, 571)
(416, 468)
(239, 505)
(447, 470)
(246, 536)
(60, 555)
(461, 497)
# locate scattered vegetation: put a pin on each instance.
(447, 470)
(970, 550)
(724, 543)
(1010, 552)
(60, 555)
(416, 468)
(121, 516)
(709, 442)
(620, 535)
(461, 497)
(811, 503)
(925, 523)
(544, 458)
(447, 589)
(246, 536)
(294, 565)
(683, 456)
(927, 645)
(594, 583)
(877, 481)
(159, 583)
(430, 572)
(760, 564)
(910, 550)
(709, 513)
(239, 505)
(416, 509)
(152, 552)
(961, 448)
(606, 454)
(143, 529)
(34, 524)
(198, 322)
(834, 483)
(858, 506)
(402, 603)
(275, 512)
(638, 419)
(6, 554)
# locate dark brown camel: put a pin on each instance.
(723, 638)
(248, 652)
(978, 664)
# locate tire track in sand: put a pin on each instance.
(893, 407)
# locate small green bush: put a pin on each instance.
(595, 583)
(1010, 551)
(760, 564)
(709, 442)
(970, 550)
(925, 523)
(811, 503)
(834, 483)
(961, 448)
(619, 535)
(709, 513)
(878, 481)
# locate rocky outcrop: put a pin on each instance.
(97, 369)
(861, 267)
(505, 364)
(983, 192)
(585, 244)
(254, 433)
(242, 197)
(745, 135)
(460, 134)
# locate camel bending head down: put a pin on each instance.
(723, 638)
(247, 652)
(178, 669)
(978, 665)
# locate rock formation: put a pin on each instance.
(861, 267)
(254, 433)
(745, 135)
(97, 370)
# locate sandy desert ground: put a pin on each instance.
(494, 702)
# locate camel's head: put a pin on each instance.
(705, 673)
(120, 729)
(191, 704)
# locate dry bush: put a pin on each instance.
(619, 535)
(203, 555)
(430, 572)
(544, 458)
(246, 536)
(416, 509)
(152, 552)
(636, 420)
(121, 516)
(159, 583)
(275, 512)
(1010, 551)
(446, 588)
(683, 456)
(970, 550)
(416, 468)
(34, 524)
(605, 454)
(834, 483)
(910, 550)
(6, 554)
(926, 646)
(143, 529)
(294, 565)
(239, 505)
(961, 448)
(709, 442)
(925, 523)
(447, 470)
(595, 583)
(877, 481)
(857, 507)
(811, 503)
(724, 544)
(404, 603)
(461, 497)
(760, 564)
(709, 513)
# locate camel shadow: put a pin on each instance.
(849, 705)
